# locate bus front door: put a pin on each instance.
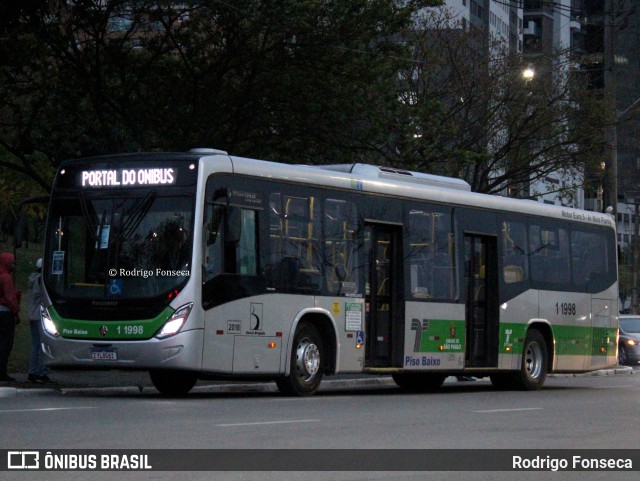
(383, 302)
(482, 310)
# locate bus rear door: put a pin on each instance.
(383, 302)
(482, 311)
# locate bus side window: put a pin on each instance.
(294, 262)
(339, 239)
(240, 242)
(514, 252)
(590, 261)
(550, 262)
(230, 243)
(247, 249)
(431, 253)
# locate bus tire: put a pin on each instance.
(173, 382)
(535, 358)
(418, 382)
(307, 358)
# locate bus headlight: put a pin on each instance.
(47, 323)
(175, 322)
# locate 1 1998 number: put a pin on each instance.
(130, 329)
(566, 308)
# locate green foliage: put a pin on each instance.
(298, 80)
(476, 117)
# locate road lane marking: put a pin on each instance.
(44, 409)
(613, 387)
(310, 398)
(507, 410)
(268, 422)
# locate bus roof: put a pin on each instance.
(400, 175)
(450, 193)
(366, 178)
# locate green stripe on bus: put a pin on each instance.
(569, 340)
(439, 335)
(109, 330)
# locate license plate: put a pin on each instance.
(104, 355)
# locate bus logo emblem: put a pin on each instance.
(418, 326)
(256, 317)
(103, 330)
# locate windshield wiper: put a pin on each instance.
(138, 212)
(94, 230)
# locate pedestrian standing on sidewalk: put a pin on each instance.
(37, 369)
(9, 313)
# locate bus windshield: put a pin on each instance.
(118, 247)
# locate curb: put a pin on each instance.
(226, 388)
(239, 387)
(615, 371)
(19, 392)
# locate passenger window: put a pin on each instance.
(431, 266)
(213, 226)
(340, 236)
(590, 261)
(514, 252)
(246, 258)
(549, 247)
(230, 241)
(295, 259)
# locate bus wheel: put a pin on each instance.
(173, 383)
(418, 382)
(623, 355)
(533, 371)
(306, 363)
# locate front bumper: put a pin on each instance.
(182, 351)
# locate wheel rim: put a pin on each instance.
(533, 360)
(307, 359)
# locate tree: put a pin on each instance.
(298, 80)
(474, 116)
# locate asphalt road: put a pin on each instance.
(568, 413)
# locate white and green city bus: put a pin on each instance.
(203, 265)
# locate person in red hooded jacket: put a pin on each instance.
(9, 313)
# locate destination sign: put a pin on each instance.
(127, 177)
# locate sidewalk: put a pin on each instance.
(112, 382)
